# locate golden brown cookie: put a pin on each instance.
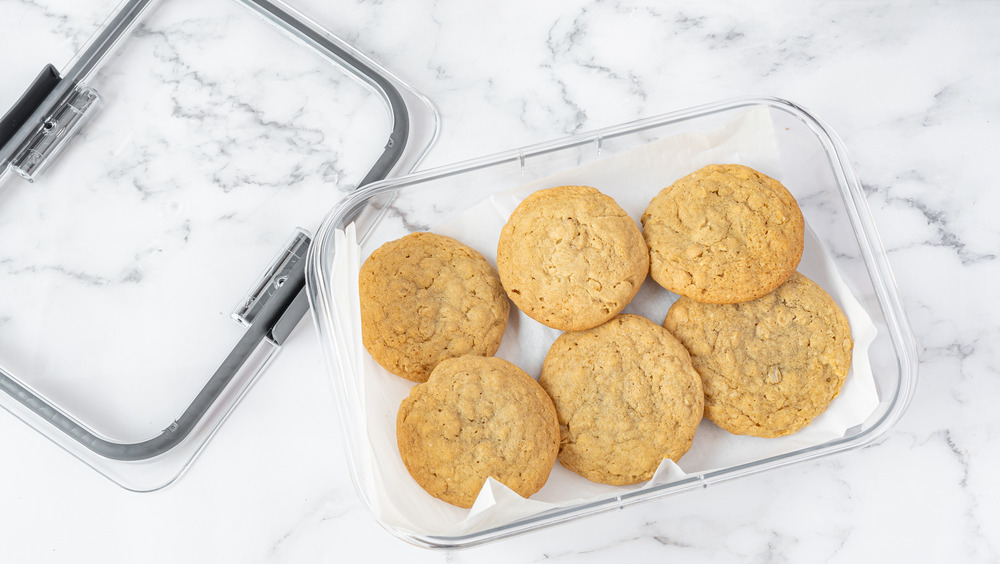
(627, 398)
(571, 258)
(724, 234)
(477, 417)
(427, 297)
(768, 366)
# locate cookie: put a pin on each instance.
(724, 234)
(571, 258)
(427, 297)
(771, 365)
(477, 417)
(627, 398)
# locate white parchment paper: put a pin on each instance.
(632, 177)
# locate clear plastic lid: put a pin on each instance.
(152, 255)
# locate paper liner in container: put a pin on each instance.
(632, 177)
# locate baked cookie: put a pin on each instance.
(724, 234)
(477, 417)
(427, 297)
(627, 398)
(571, 258)
(768, 366)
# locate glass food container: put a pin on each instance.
(469, 201)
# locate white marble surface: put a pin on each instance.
(912, 88)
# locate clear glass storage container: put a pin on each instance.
(778, 137)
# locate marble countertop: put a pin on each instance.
(913, 90)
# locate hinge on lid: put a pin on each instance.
(55, 131)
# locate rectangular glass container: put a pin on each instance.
(815, 167)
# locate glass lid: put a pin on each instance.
(156, 202)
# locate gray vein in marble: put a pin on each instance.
(403, 216)
(635, 86)
(595, 550)
(331, 172)
(185, 228)
(579, 119)
(714, 40)
(955, 350)
(842, 542)
(304, 140)
(944, 440)
(440, 72)
(134, 170)
(687, 23)
(943, 100)
(793, 53)
(228, 184)
(571, 45)
(778, 545)
(62, 25)
(938, 219)
(328, 508)
(731, 35)
(667, 541)
(80, 276)
(963, 457)
(558, 47)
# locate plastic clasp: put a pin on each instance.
(55, 131)
(273, 278)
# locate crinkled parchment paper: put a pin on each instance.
(632, 178)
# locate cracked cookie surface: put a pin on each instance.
(627, 397)
(723, 234)
(477, 417)
(571, 258)
(771, 365)
(427, 297)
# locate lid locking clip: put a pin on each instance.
(272, 279)
(55, 131)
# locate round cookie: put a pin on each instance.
(627, 398)
(768, 366)
(477, 417)
(724, 234)
(427, 297)
(571, 258)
